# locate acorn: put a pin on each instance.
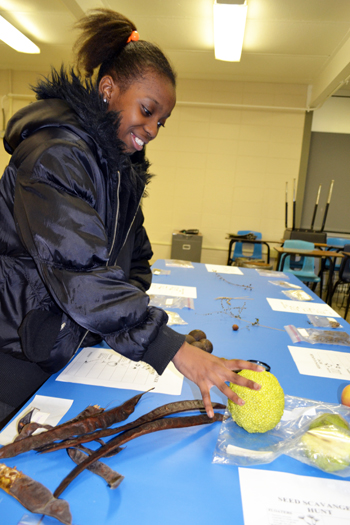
(198, 334)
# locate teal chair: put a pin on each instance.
(238, 248)
(307, 271)
(337, 243)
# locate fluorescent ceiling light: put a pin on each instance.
(229, 25)
(14, 38)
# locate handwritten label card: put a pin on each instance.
(173, 290)
(49, 411)
(105, 367)
(220, 268)
(280, 498)
(321, 363)
(301, 307)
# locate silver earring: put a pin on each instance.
(105, 100)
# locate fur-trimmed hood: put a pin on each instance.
(86, 115)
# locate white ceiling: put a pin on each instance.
(286, 41)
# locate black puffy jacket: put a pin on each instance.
(68, 201)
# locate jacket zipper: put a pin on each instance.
(80, 343)
(109, 254)
(115, 222)
(113, 242)
(132, 222)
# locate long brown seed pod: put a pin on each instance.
(147, 428)
(33, 495)
(112, 477)
(26, 426)
(73, 428)
(159, 412)
(91, 410)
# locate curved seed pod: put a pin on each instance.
(112, 477)
(26, 426)
(157, 413)
(91, 410)
(147, 428)
(33, 495)
(73, 428)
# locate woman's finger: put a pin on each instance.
(207, 403)
(240, 364)
(226, 390)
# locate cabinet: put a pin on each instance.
(186, 247)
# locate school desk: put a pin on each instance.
(330, 255)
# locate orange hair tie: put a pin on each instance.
(133, 37)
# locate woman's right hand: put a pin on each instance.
(207, 370)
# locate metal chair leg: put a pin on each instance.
(332, 293)
(347, 306)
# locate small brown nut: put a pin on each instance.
(198, 334)
(204, 344)
(235, 327)
(334, 324)
(207, 345)
(200, 345)
(189, 339)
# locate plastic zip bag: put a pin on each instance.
(271, 273)
(325, 445)
(157, 271)
(297, 295)
(174, 318)
(178, 263)
(285, 284)
(315, 336)
(235, 446)
(167, 301)
(323, 322)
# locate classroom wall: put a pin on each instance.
(221, 163)
(329, 159)
(224, 169)
(17, 83)
(333, 116)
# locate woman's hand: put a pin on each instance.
(207, 370)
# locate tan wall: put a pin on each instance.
(17, 83)
(224, 169)
(218, 168)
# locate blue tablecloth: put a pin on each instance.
(169, 475)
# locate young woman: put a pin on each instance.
(69, 203)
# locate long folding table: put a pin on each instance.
(169, 475)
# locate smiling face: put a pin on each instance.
(144, 106)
